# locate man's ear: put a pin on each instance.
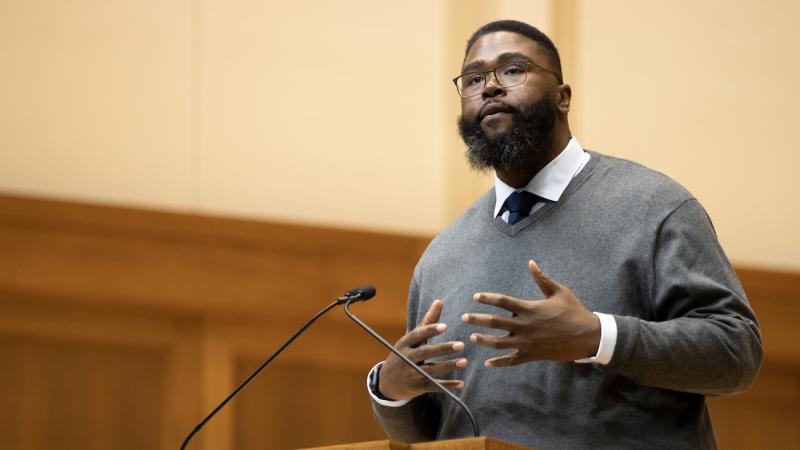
(564, 97)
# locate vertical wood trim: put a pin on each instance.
(565, 18)
(218, 368)
(183, 388)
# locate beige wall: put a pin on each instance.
(203, 105)
(705, 91)
(95, 100)
(312, 111)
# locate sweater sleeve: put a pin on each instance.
(704, 337)
(417, 420)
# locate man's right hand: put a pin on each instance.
(398, 381)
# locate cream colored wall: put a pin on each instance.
(202, 105)
(324, 111)
(705, 91)
(308, 111)
(96, 100)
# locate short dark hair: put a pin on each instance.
(522, 28)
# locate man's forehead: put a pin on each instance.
(487, 49)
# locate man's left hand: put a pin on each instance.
(557, 328)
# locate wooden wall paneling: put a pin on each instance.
(331, 340)
(166, 281)
(41, 317)
(78, 395)
(218, 381)
(107, 356)
(154, 317)
(183, 399)
(195, 263)
(315, 390)
(775, 297)
(304, 406)
(765, 416)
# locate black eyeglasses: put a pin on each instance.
(507, 75)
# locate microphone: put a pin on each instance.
(353, 295)
(373, 333)
(358, 294)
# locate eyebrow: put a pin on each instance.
(514, 56)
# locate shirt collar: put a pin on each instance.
(551, 181)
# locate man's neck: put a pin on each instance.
(518, 177)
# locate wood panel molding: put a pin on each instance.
(192, 263)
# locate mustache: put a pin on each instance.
(495, 106)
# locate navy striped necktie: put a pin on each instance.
(519, 205)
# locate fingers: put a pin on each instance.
(489, 321)
(428, 351)
(421, 334)
(442, 367)
(449, 384)
(494, 341)
(501, 301)
(546, 284)
(427, 328)
(512, 359)
(433, 314)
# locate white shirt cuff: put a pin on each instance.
(380, 401)
(608, 340)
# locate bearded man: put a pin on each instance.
(639, 317)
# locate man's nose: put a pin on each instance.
(492, 88)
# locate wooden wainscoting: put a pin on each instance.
(768, 414)
(121, 328)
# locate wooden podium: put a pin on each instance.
(478, 443)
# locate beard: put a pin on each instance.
(530, 127)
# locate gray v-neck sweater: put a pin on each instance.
(630, 242)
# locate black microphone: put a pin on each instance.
(373, 333)
(353, 295)
(358, 294)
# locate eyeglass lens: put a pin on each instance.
(507, 75)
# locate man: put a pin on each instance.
(639, 316)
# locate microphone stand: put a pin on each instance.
(349, 296)
(416, 367)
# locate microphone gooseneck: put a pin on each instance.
(444, 390)
(357, 294)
